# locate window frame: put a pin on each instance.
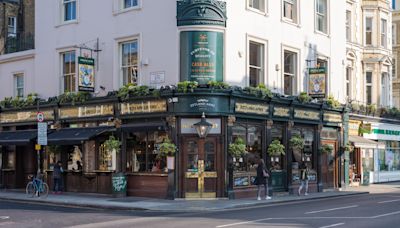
(16, 86)
(294, 75)
(294, 11)
(394, 33)
(349, 34)
(263, 62)
(349, 85)
(368, 33)
(368, 85)
(13, 27)
(120, 63)
(325, 16)
(385, 88)
(124, 7)
(257, 10)
(64, 4)
(73, 75)
(383, 33)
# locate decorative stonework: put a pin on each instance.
(201, 12)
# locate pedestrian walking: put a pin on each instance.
(262, 179)
(57, 177)
(304, 170)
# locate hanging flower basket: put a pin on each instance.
(327, 148)
(237, 149)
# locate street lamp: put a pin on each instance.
(203, 127)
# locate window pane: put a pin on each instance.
(255, 54)
(209, 163)
(288, 87)
(369, 77)
(130, 3)
(369, 94)
(69, 10)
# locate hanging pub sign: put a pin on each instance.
(317, 82)
(86, 74)
(201, 56)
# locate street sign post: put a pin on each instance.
(40, 117)
(42, 133)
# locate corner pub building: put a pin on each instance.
(202, 166)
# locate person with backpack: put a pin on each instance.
(262, 179)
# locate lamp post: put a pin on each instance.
(203, 127)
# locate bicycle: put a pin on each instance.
(37, 187)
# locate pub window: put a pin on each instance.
(69, 71)
(251, 134)
(9, 157)
(277, 134)
(306, 155)
(107, 159)
(368, 31)
(129, 62)
(256, 63)
(258, 5)
(368, 87)
(290, 69)
(69, 10)
(74, 162)
(321, 16)
(383, 33)
(142, 151)
(290, 10)
(53, 153)
(19, 85)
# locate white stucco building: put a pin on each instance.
(265, 41)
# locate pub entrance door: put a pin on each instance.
(329, 165)
(202, 167)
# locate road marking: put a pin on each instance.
(242, 223)
(383, 215)
(332, 209)
(389, 201)
(333, 225)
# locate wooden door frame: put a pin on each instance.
(336, 163)
(219, 163)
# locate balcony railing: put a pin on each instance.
(19, 43)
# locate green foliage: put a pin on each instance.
(355, 107)
(238, 148)
(217, 85)
(132, 90)
(296, 142)
(167, 148)
(71, 97)
(371, 108)
(19, 102)
(394, 112)
(112, 144)
(332, 102)
(326, 148)
(186, 86)
(304, 97)
(260, 91)
(349, 147)
(276, 149)
(6, 102)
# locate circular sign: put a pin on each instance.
(40, 117)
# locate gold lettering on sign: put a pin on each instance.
(330, 117)
(86, 111)
(252, 108)
(143, 107)
(24, 116)
(303, 114)
(354, 126)
(283, 112)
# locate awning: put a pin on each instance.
(151, 126)
(17, 137)
(73, 136)
(361, 142)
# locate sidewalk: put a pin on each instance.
(181, 205)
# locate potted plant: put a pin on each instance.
(275, 150)
(304, 97)
(348, 147)
(112, 146)
(167, 149)
(326, 148)
(297, 145)
(237, 149)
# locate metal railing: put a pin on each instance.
(19, 43)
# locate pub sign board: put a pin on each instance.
(201, 56)
(317, 82)
(199, 104)
(86, 74)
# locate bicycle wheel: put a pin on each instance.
(30, 189)
(44, 191)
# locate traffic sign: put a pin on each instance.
(40, 117)
(42, 134)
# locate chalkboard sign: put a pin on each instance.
(312, 177)
(119, 184)
(365, 178)
(241, 181)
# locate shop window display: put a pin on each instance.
(143, 154)
(306, 154)
(389, 159)
(107, 159)
(75, 159)
(53, 155)
(9, 158)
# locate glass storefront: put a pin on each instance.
(389, 159)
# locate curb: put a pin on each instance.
(204, 209)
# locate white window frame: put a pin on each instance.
(370, 32)
(385, 89)
(394, 33)
(263, 10)
(120, 63)
(72, 75)
(62, 9)
(325, 15)
(263, 55)
(16, 86)
(368, 85)
(295, 75)
(295, 11)
(349, 82)
(394, 68)
(12, 27)
(349, 35)
(384, 31)
(119, 7)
